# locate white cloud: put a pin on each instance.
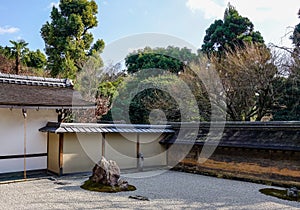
(269, 17)
(8, 30)
(260, 10)
(210, 8)
(19, 38)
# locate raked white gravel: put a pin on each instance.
(165, 189)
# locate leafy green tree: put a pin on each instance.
(147, 98)
(33, 62)
(164, 71)
(248, 75)
(35, 59)
(97, 84)
(295, 67)
(296, 38)
(67, 37)
(17, 51)
(6, 64)
(97, 47)
(166, 80)
(5, 51)
(171, 58)
(288, 107)
(109, 88)
(234, 30)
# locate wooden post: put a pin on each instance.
(61, 154)
(24, 112)
(47, 151)
(103, 144)
(25, 150)
(167, 154)
(137, 149)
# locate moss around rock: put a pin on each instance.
(93, 186)
(106, 178)
(282, 194)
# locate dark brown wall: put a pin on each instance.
(266, 153)
(258, 165)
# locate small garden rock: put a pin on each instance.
(292, 192)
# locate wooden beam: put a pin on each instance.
(61, 153)
(47, 151)
(137, 150)
(103, 144)
(25, 134)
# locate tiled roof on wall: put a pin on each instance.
(34, 81)
(104, 128)
(39, 92)
(259, 135)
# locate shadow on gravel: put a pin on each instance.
(17, 176)
(70, 188)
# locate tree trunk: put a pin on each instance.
(18, 65)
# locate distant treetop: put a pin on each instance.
(171, 59)
(230, 32)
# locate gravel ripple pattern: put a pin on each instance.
(168, 190)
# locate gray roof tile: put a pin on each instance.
(16, 90)
(262, 135)
(34, 81)
(103, 128)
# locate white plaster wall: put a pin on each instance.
(17, 165)
(121, 149)
(12, 138)
(81, 152)
(154, 153)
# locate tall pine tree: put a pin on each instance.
(232, 31)
(67, 37)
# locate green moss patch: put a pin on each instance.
(93, 186)
(279, 194)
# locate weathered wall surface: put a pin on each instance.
(12, 139)
(53, 153)
(122, 149)
(249, 164)
(80, 152)
(268, 154)
(154, 153)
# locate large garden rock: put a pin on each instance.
(106, 178)
(106, 172)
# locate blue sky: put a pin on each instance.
(185, 19)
